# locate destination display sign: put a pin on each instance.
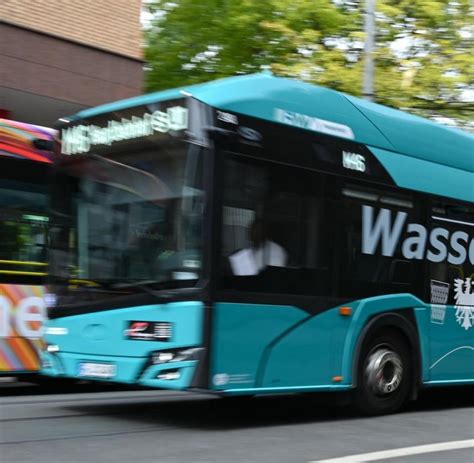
(80, 139)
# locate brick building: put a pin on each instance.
(59, 56)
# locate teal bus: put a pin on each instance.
(260, 235)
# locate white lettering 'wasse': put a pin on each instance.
(414, 246)
(80, 139)
(437, 245)
(382, 230)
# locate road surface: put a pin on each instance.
(169, 427)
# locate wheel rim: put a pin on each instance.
(384, 371)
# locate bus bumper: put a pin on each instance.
(127, 370)
(159, 345)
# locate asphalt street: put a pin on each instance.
(170, 427)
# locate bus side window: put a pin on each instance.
(274, 236)
(366, 273)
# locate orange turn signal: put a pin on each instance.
(345, 311)
(337, 379)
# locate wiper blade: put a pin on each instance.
(150, 286)
(135, 283)
(142, 284)
(82, 282)
(86, 283)
(155, 288)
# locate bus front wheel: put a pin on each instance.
(384, 374)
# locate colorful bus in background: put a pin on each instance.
(260, 235)
(26, 156)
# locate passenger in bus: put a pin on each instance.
(262, 253)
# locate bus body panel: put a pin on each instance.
(309, 354)
(153, 376)
(324, 345)
(65, 364)
(105, 332)
(263, 96)
(422, 317)
(340, 337)
(419, 137)
(422, 175)
(128, 370)
(114, 338)
(451, 347)
(241, 335)
(255, 347)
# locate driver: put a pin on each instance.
(263, 252)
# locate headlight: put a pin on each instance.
(52, 348)
(170, 356)
(169, 375)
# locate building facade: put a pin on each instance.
(60, 56)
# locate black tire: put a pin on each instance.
(383, 388)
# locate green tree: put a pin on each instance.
(425, 56)
(424, 59)
(194, 41)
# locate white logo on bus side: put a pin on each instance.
(23, 317)
(304, 121)
(220, 379)
(353, 161)
(464, 298)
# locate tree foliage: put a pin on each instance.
(424, 56)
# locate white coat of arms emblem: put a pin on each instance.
(464, 305)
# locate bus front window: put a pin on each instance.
(23, 225)
(135, 217)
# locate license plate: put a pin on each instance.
(97, 370)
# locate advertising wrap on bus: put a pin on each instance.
(22, 312)
(461, 246)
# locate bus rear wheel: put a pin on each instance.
(384, 375)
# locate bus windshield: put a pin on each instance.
(23, 224)
(133, 218)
